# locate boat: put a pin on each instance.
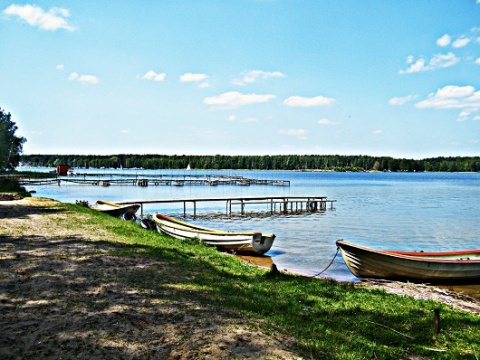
(129, 216)
(237, 241)
(446, 267)
(148, 224)
(115, 209)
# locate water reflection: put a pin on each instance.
(263, 261)
(469, 290)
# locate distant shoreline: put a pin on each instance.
(354, 163)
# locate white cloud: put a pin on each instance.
(477, 61)
(325, 121)
(443, 61)
(464, 98)
(53, 19)
(231, 118)
(152, 75)
(437, 62)
(298, 133)
(461, 42)
(377, 132)
(59, 67)
(189, 77)
(199, 79)
(396, 101)
(252, 76)
(416, 66)
(444, 40)
(84, 79)
(299, 101)
(125, 132)
(463, 116)
(234, 99)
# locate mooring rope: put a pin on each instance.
(331, 262)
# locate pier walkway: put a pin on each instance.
(274, 204)
(98, 179)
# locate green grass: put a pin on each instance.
(324, 318)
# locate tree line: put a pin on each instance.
(11, 147)
(258, 162)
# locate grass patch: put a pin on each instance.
(320, 318)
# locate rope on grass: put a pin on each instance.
(389, 328)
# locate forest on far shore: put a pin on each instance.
(258, 162)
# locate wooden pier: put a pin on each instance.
(145, 181)
(274, 204)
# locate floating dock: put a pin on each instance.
(274, 204)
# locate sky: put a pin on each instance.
(243, 77)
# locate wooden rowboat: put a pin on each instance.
(268, 237)
(447, 267)
(238, 241)
(115, 209)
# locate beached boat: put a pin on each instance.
(115, 209)
(446, 267)
(238, 241)
(148, 224)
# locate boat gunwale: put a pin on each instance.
(181, 225)
(414, 256)
(109, 207)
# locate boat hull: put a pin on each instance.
(115, 209)
(431, 267)
(248, 241)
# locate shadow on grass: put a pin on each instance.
(72, 296)
(8, 210)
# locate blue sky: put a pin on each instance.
(243, 77)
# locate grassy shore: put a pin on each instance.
(76, 283)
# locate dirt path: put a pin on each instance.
(64, 295)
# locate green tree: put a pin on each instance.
(11, 146)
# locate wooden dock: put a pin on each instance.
(145, 181)
(274, 204)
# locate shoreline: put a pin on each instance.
(458, 296)
(77, 285)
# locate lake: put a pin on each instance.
(412, 211)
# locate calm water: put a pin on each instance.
(415, 211)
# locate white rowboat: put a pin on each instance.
(238, 241)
